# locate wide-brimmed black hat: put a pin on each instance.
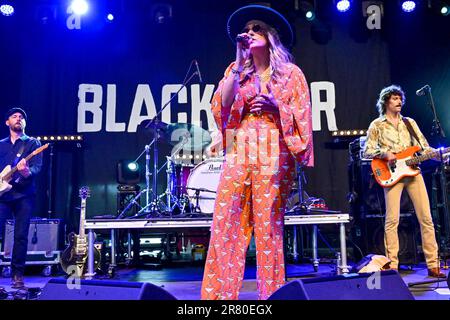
(11, 111)
(238, 19)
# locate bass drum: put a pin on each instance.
(202, 185)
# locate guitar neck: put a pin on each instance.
(14, 170)
(426, 156)
(82, 217)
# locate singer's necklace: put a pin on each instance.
(265, 75)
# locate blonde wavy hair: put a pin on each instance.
(280, 57)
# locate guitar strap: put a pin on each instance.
(18, 155)
(411, 131)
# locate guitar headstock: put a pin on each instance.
(85, 192)
(40, 149)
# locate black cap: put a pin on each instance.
(14, 110)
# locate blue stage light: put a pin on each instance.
(307, 9)
(343, 5)
(7, 9)
(79, 7)
(133, 166)
(110, 17)
(310, 15)
(408, 6)
(445, 10)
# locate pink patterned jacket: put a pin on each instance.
(292, 95)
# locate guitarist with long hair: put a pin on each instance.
(387, 138)
(19, 200)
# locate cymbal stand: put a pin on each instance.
(147, 189)
(150, 206)
(154, 123)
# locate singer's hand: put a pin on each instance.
(264, 102)
(242, 50)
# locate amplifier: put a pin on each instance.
(43, 235)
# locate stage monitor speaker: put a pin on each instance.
(60, 289)
(353, 286)
(368, 235)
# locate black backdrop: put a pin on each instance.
(43, 65)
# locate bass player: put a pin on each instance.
(388, 135)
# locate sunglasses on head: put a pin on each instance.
(256, 28)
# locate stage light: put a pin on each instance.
(349, 133)
(133, 166)
(161, 13)
(6, 9)
(60, 138)
(128, 172)
(79, 7)
(445, 10)
(110, 17)
(310, 15)
(408, 6)
(307, 9)
(343, 5)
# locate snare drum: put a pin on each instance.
(202, 185)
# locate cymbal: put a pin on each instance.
(197, 137)
(152, 125)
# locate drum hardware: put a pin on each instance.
(174, 199)
(131, 203)
(175, 193)
(158, 129)
(197, 197)
(202, 185)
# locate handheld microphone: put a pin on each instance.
(423, 90)
(198, 71)
(241, 38)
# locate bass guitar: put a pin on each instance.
(7, 173)
(74, 257)
(388, 174)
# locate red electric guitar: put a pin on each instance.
(388, 175)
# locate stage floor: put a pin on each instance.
(184, 280)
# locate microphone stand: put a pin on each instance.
(444, 241)
(155, 122)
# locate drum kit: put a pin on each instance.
(190, 188)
